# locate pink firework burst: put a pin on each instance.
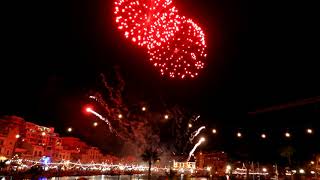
(146, 22)
(183, 55)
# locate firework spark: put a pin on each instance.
(197, 118)
(195, 147)
(146, 23)
(183, 55)
(94, 98)
(196, 133)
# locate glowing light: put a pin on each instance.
(190, 125)
(239, 135)
(196, 133)
(309, 131)
(18, 136)
(88, 109)
(294, 171)
(214, 131)
(287, 134)
(143, 108)
(311, 162)
(120, 116)
(301, 171)
(312, 172)
(166, 116)
(195, 147)
(95, 124)
(45, 160)
(69, 129)
(264, 169)
(43, 133)
(263, 136)
(228, 167)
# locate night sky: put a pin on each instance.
(261, 54)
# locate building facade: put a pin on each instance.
(8, 139)
(31, 141)
(214, 161)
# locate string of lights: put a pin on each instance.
(238, 133)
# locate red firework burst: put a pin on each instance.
(146, 22)
(183, 55)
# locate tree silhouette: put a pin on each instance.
(287, 152)
(150, 155)
(3, 164)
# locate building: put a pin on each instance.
(81, 151)
(94, 154)
(61, 155)
(8, 138)
(34, 141)
(214, 161)
(184, 165)
(180, 162)
(31, 141)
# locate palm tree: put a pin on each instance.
(150, 155)
(287, 152)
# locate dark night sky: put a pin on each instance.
(261, 53)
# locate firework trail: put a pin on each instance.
(195, 119)
(100, 117)
(136, 133)
(195, 147)
(196, 133)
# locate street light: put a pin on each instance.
(143, 108)
(301, 171)
(288, 135)
(69, 129)
(312, 162)
(190, 125)
(239, 135)
(309, 131)
(214, 131)
(264, 169)
(120, 116)
(263, 136)
(166, 116)
(208, 168)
